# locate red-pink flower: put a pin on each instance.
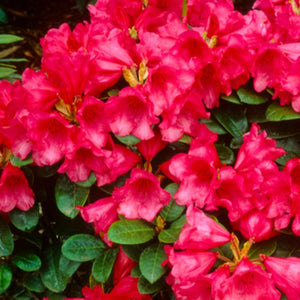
(102, 213)
(151, 147)
(141, 197)
(201, 232)
(14, 190)
(131, 113)
(286, 274)
(247, 282)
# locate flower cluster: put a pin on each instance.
(150, 72)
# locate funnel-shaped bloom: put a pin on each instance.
(141, 197)
(14, 190)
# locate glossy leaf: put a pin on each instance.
(68, 267)
(6, 239)
(68, 195)
(145, 287)
(5, 277)
(18, 162)
(9, 38)
(214, 126)
(89, 182)
(150, 262)
(169, 236)
(276, 112)
(4, 72)
(283, 129)
(179, 222)
(267, 247)
(51, 275)
(225, 154)
(128, 140)
(172, 211)
(232, 118)
(130, 232)
(249, 96)
(134, 251)
(231, 98)
(33, 283)
(82, 247)
(27, 261)
(25, 220)
(104, 263)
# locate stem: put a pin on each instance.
(224, 258)
(184, 10)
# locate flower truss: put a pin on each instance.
(155, 155)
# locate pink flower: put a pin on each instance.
(256, 226)
(131, 113)
(102, 213)
(257, 148)
(286, 274)
(201, 232)
(141, 197)
(248, 281)
(93, 121)
(190, 264)
(151, 147)
(51, 137)
(196, 171)
(14, 190)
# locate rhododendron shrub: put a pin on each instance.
(155, 154)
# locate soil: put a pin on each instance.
(31, 19)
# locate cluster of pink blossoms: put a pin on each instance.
(138, 68)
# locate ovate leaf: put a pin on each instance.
(5, 277)
(51, 275)
(68, 195)
(25, 220)
(6, 239)
(169, 236)
(276, 112)
(267, 247)
(27, 261)
(249, 96)
(9, 38)
(150, 262)
(145, 287)
(130, 232)
(82, 247)
(104, 263)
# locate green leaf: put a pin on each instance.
(5, 277)
(232, 118)
(249, 96)
(27, 261)
(4, 72)
(214, 126)
(134, 251)
(283, 129)
(130, 232)
(276, 112)
(68, 267)
(9, 38)
(231, 98)
(172, 211)
(135, 272)
(51, 275)
(169, 236)
(3, 16)
(6, 239)
(104, 263)
(33, 283)
(89, 182)
(150, 262)
(186, 139)
(257, 113)
(267, 247)
(25, 220)
(225, 154)
(291, 144)
(145, 287)
(18, 162)
(179, 222)
(82, 247)
(128, 140)
(13, 59)
(68, 195)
